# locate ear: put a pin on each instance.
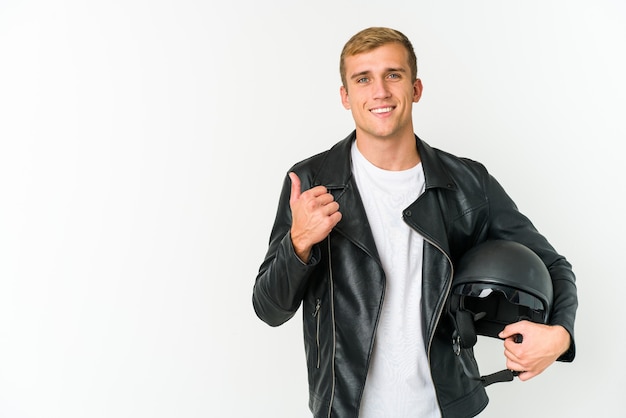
(345, 100)
(417, 90)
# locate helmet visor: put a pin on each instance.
(515, 296)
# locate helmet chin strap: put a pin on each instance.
(465, 337)
(505, 375)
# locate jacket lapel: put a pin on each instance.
(424, 215)
(336, 175)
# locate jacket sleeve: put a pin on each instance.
(506, 222)
(283, 278)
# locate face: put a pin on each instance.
(380, 93)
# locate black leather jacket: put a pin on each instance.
(342, 287)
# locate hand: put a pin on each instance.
(540, 347)
(314, 214)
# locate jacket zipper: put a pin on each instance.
(332, 318)
(316, 315)
(440, 311)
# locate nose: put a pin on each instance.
(380, 89)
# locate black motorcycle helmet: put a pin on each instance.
(497, 283)
(502, 282)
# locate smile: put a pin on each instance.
(382, 109)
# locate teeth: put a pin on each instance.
(382, 110)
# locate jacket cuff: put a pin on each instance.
(569, 355)
(315, 254)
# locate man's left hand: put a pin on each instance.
(540, 347)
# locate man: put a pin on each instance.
(366, 238)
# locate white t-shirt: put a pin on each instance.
(398, 383)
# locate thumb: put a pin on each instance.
(295, 187)
(510, 330)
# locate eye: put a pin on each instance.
(362, 80)
(394, 75)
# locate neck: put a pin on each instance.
(390, 154)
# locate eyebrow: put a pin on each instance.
(388, 70)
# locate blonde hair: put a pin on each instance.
(372, 38)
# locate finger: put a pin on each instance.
(512, 329)
(514, 364)
(336, 217)
(514, 343)
(508, 331)
(513, 358)
(516, 352)
(295, 187)
(324, 198)
(330, 208)
(523, 376)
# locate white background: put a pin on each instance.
(143, 145)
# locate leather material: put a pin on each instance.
(342, 287)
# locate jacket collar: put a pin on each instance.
(336, 171)
(336, 175)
